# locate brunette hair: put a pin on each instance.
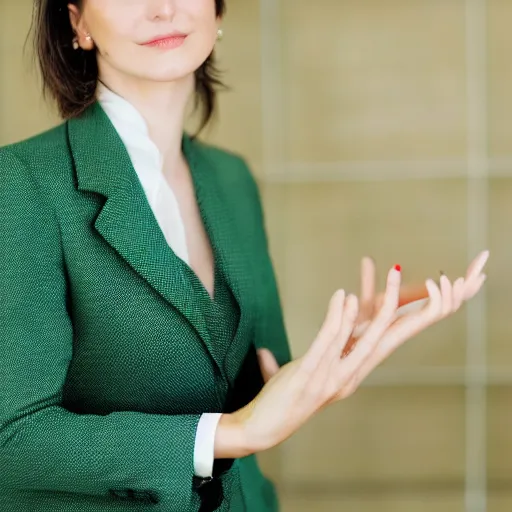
(70, 76)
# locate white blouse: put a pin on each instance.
(147, 162)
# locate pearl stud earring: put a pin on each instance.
(220, 34)
(75, 43)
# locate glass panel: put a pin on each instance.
(373, 80)
(239, 122)
(399, 436)
(501, 502)
(499, 321)
(398, 503)
(500, 77)
(499, 438)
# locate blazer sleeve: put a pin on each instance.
(270, 329)
(43, 446)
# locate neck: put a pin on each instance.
(163, 105)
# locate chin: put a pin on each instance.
(173, 69)
(171, 75)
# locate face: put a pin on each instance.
(156, 40)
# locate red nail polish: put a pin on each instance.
(398, 268)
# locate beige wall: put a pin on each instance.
(376, 127)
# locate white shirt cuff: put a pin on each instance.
(204, 448)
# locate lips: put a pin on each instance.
(166, 41)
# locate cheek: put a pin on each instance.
(203, 7)
(200, 13)
(111, 25)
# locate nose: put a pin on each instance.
(161, 10)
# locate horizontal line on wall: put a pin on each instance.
(365, 171)
(439, 376)
(307, 172)
(394, 488)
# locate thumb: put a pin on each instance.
(268, 363)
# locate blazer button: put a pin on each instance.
(211, 493)
(200, 482)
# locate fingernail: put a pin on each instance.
(398, 268)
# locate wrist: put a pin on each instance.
(234, 439)
(230, 438)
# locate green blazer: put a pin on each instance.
(106, 363)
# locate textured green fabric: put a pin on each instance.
(106, 360)
(222, 314)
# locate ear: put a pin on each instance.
(80, 28)
(74, 17)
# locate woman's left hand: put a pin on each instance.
(370, 302)
(462, 290)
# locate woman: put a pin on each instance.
(136, 285)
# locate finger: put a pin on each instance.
(476, 266)
(368, 283)
(368, 277)
(360, 328)
(473, 287)
(348, 324)
(403, 329)
(268, 364)
(446, 296)
(408, 294)
(458, 293)
(473, 280)
(412, 323)
(385, 316)
(332, 356)
(377, 304)
(434, 306)
(328, 331)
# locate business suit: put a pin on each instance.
(108, 359)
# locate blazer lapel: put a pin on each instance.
(228, 241)
(126, 220)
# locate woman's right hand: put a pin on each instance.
(322, 376)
